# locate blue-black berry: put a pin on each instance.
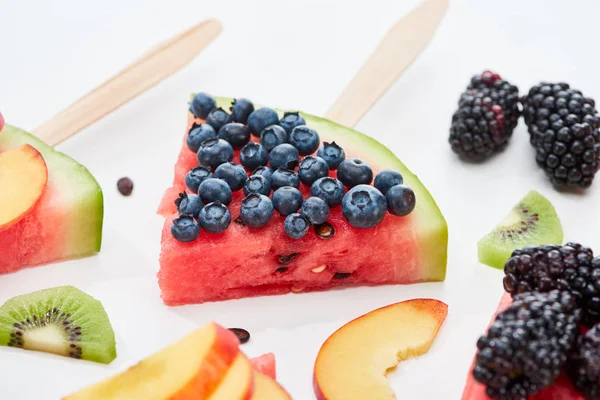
(194, 178)
(284, 156)
(215, 217)
(189, 204)
(214, 152)
(364, 206)
(261, 118)
(305, 139)
(284, 177)
(254, 155)
(213, 189)
(315, 209)
(217, 118)
(185, 228)
(353, 171)
(198, 134)
(312, 168)
(328, 189)
(256, 210)
(332, 153)
(296, 225)
(236, 134)
(202, 104)
(287, 200)
(272, 136)
(257, 184)
(290, 120)
(400, 200)
(387, 178)
(241, 110)
(233, 174)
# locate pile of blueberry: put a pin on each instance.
(273, 162)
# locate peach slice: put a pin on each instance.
(238, 383)
(23, 178)
(265, 388)
(353, 361)
(190, 369)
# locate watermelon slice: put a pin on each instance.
(561, 390)
(265, 364)
(244, 262)
(66, 223)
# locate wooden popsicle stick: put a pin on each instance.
(405, 40)
(150, 69)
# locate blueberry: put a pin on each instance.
(194, 178)
(241, 109)
(287, 200)
(214, 152)
(386, 179)
(400, 200)
(257, 184)
(198, 134)
(284, 177)
(267, 172)
(296, 225)
(354, 172)
(215, 217)
(290, 120)
(312, 168)
(213, 189)
(256, 210)
(254, 155)
(364, 206)
(233, 174)
(236, 134)
(283, 156)
(185, 228)
(202, 104)
(328, 189)
(305, 139)
(217, 118)
(189, 204)
(332, 153)
(261, 118)
(315, 209)
(273, 135)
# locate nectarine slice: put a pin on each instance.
(352, 363)
(265, 388)
(23, 178)
(238, 382)
(190, 369)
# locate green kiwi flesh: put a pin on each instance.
(532, 222)
(62, 320)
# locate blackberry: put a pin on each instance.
(527, 345)
(564, 128)
(570, 267)
(488, 112)
(583, 366)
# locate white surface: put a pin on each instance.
(292, 55)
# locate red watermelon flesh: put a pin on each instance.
(265, 364)
(242, 261)
(561, 390)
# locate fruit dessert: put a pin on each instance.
(51, 207)
(488, 112)
(352, 363)
(205, 365)
(533, 221)
(564, 128)
(265, 203)
(62, 320)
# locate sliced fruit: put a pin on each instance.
(23, 178)
(62, 320)
(189, 369)
(533, 221)
(1, 122)
(265, 364)
(264, 261)
(238, 382)
(352, 363)
(65, 223)
(265, 388)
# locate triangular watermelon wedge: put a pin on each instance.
(244, 262)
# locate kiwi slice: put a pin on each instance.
(532, 222)
(62, 320)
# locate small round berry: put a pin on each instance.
(305, 139)
(272, 136)
(233, 174)
(217, 118)
(215, 217)
(125, 186)
(332, 154)
(198, 134)
(194, 178)
(267, 172)
(202, 104)
(287, 200)
(296, 225)
(189, 204)
(256, 211)
(284, 156)
(241, 110)
(213, 189)
(400, 200)
(364, 206)
(257, 184)
(185, 228)
(386, 179)
(312, 168)
(290, 120)
(315, 209)
(214, 152)
(328, 189)
(354, 172)
(254, 155)
(284, 177)
(261, 118)
(236, 134)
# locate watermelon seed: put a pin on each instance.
(239, 221)
(242, 334)
(341, 275)
(281, 270)
(325, 230)
(319, 269)
(287, 258)
(125, 186)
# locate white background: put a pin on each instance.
(299, 55)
